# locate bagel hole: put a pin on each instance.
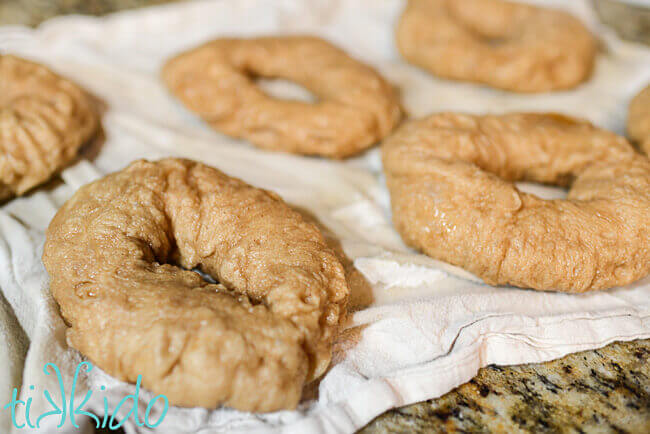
(546, 192)
(208, 278)
(226, 289)
(174, 260)
(494, 42)
(279, 88)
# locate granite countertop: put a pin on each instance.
(604, 390)
(32, 12)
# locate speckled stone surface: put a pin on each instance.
(630, 20)
(32, 12)
(606, 390)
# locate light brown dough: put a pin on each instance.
(249, 342)
(356, 106)
(44, 119)
(449, 177)
(638, 121)
(502, 44)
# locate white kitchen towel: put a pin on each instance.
(417, 328)
(13, 348)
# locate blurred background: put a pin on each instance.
(630, 18)
(33, 12)
(518, 393)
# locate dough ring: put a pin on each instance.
(250, 342)
(502, 44)
(638, 121)
(449, 177)
(44, 119)
(356, 106)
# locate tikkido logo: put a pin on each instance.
(66, 409)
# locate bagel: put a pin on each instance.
(44, 119)
(356, 106)
(501, 44)
(638, 121)
(118, 254)
(450, 181)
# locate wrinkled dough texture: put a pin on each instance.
(506, 45)
(638, 121)
(249, 342)
(450, 180)
(44, 119)
(356, 107)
